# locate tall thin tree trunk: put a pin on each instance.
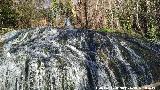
(86, 16)
(143, 17)
(158, 15)
(111, 12)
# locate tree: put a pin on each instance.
(31, 10)
(157, 5)
(8, 15)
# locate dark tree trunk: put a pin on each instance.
(158, 15)
(85, 14)
(143, 18)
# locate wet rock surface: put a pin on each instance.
(51, 59)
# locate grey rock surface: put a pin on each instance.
(53, 59)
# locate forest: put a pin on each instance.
(140, 17)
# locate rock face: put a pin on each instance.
(51, 59)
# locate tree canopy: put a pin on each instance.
(138, 16)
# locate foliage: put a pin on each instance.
(60, 10)
(5, 30)
(130, 16)
(106, 30)
(8, 16)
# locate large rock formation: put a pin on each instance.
(51, 59)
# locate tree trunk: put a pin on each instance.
(85, 14)
(143, 18)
